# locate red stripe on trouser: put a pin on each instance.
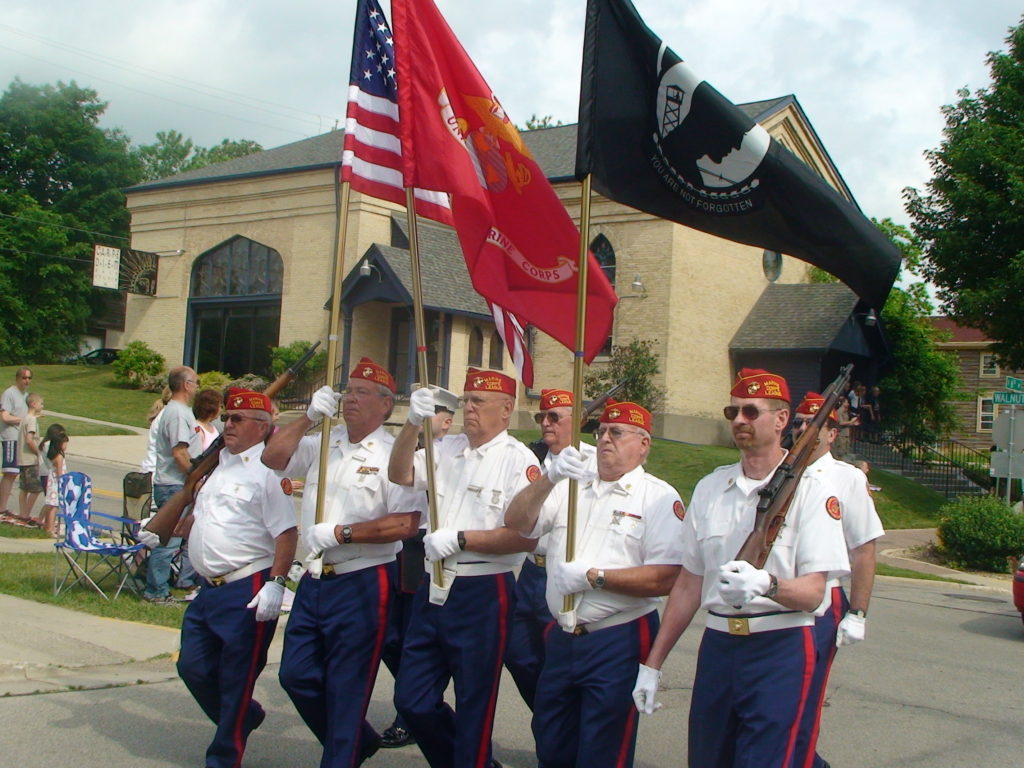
(808, 633)
(383, 598)
(250, 682)
(812, 744)
(644, 641)
(483, 756)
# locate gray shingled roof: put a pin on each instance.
(553, 148)
(802, 316)
(445, 279)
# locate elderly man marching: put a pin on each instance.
(242, 542)
(459, 629)
(524, 656)
(757, 653)
(844, 621)
(336, 630)
(628, 552)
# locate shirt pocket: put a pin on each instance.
(239, 494)
(489, 509)
(624, 539)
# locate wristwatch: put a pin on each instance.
(346, 534)
(599, 579)
(859, 612)
(278, 580)
(461, 538)
(773, 585)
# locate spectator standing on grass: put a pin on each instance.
(28, 457)
(53, 449)
(177, 442)
(153, 418)
(12, 409)
(206, 408)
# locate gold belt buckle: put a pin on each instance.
(580, 630)
(327, 569)
(739, 625)
(540, 560)
(217, 581)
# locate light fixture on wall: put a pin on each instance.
(175, 252)
(366, 269)
(638, 288)
(870, 319)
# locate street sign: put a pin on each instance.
(1017, 385)
(1001, 464)
(1001, 431)
(1008, 398)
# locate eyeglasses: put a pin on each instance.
(750, 412)
(359, 392)
(234, 418)
(551, 416)
(27, 377)
(615, 433)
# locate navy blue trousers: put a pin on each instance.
(749, 694)
(332, 648)
(825, 628)
(464, 639)
(524, 656)
(400, 612)
(223, 651)
(583, 714)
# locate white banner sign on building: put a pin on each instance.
(106, 266)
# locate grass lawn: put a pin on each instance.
(85, 390)
(31, 577)
(889, 570)
(902, 503)
(9, 531)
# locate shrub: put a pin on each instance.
(136, 362)
(638, 363)
(153, 383)
(214, 380)
(249, 381)
(283, 357)
(980, 532)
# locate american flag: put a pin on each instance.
(372, 158)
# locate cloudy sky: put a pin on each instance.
(870, 75)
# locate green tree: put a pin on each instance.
(228, 149)
(971, 216)
(638, 364)
(534, 122)
(173, 153)
(61, 177)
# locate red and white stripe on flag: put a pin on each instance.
(513, 333)
(372, 157)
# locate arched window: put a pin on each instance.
(605, 255)
(497, 356)
(234, 308)
(476, 347)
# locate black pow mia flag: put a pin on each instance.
(656, 137)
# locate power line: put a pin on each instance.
(64, 226)
(46, 255)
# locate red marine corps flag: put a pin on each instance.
(519, 242)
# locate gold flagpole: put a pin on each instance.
(421, 361)
(577, 373)
(332, 345)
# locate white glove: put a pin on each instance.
(323, 403)
(144, 537)
(568, 464)
(441, 543)
(570, 578)
(421, 406)
(741, 582)
(268, 601)
(320, 537)
(646, 689)
(851, 630)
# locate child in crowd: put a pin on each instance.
(53, 448)
(28, 457)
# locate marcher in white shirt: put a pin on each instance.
(757, 653)
(843, 621)
(335, 633)
(242, 541)
(628, 553)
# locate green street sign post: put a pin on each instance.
(1008, 398)
(1017, 385)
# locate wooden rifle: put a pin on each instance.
(167, 517)
(776, 496)
(596, 405)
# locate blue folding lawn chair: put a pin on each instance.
(96, 555)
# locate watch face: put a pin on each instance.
(771, 264)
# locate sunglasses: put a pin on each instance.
(551, 416)
(615, 433)
(750, 412)
(235, 418)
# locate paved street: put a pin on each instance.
(935, 684)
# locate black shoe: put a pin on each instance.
(369, 749)
(495, 764)
(396, 736)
